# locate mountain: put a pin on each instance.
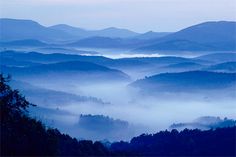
(152, 35)
(81, 33)
(115, 33)
(24, 43)
(106, 42)
(17, 58)
(208, 36)
(18, 29)
(183, 66)
(15, 29)
(219, 57)
(185, 81)
(205, 123)
(64, 50)
(22, 135)
(17, 63)
(163, 61)
(51, 98)
(98, 42)
(223, 67)
(111, 32)
(72, 70)
(49, 58)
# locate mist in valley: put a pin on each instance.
(141, 111)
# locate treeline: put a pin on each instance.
(24, 136)
(218, 142)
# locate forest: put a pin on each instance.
(22, 135)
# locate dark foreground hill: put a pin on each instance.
(24, 136)
(219, 142)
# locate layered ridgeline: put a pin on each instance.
(217, 62)
(17, 29)
(217, 36)
(186, 81)
(25, 136)
(52, 98)
(61, 66)
(205, 123)
(111, 32)
(67, 68)
(208, 36)
(12, 29)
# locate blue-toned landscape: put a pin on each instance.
(68, 90)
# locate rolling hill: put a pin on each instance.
(24, 43)
(111, 32)
(186, 81)
(51, 98)
(19, 29)
(15, 29)
(208, 36)
(107, 42)
(73, 70)
(219, 57)
(152, 35)
(223, 67)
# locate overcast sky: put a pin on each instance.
(137, 15)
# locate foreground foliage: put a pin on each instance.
(219, 142)
(24, 136)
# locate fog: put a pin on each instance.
(144, 112)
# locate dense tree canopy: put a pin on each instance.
(219, 142)
(24, 136)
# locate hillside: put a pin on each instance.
(24, 43)
(208, 36)
(223, 67)
(22, 135)
(73, 70)
(152, 35)
(14, 29)
(106, 42)
(185, 81)
(25, 136)
(219, 57)
(218, 142)
(111, 32)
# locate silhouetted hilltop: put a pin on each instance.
(24, 136)
(185, 81)
(218, 142)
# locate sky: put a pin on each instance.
(137, 15)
